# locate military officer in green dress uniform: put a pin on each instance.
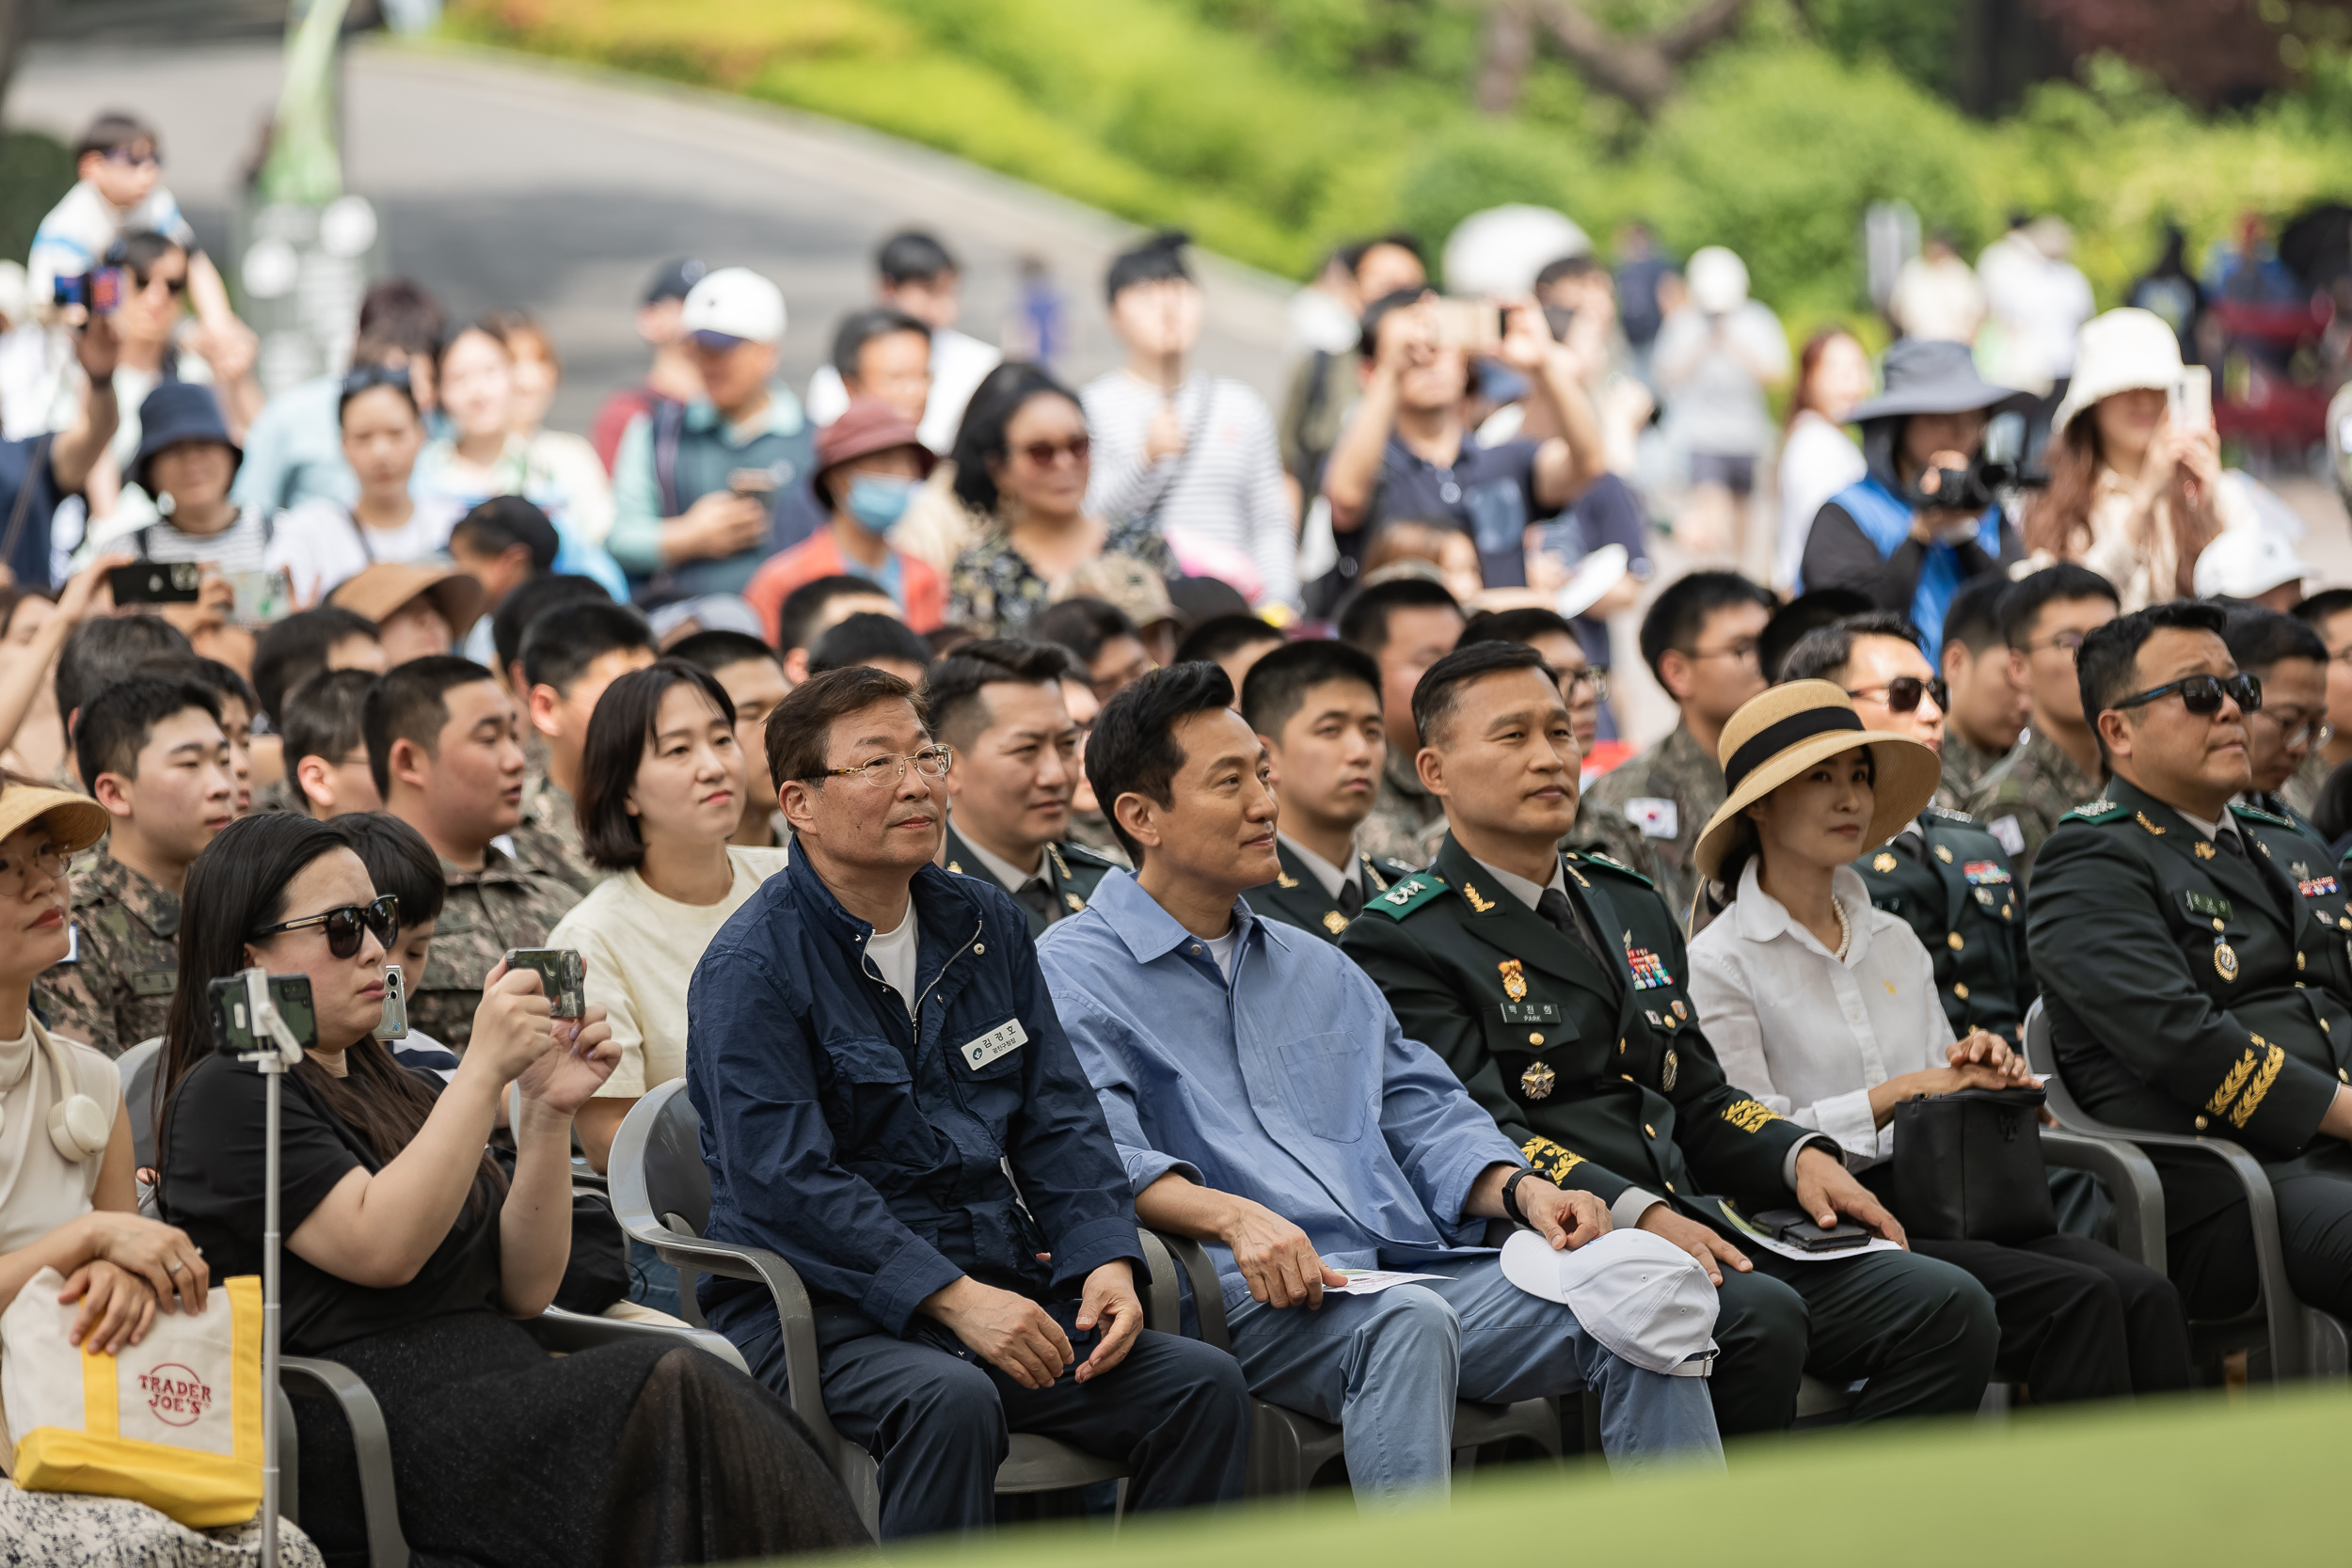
(998, 705)
(1317, 704)
(157, 758)
(1553, 985)
(1944, 875)
(2187, 971)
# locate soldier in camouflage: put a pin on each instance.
(2057, 767)
(158, 761)
(1700, 638)
(1985, 709)
(451, 765)
(569, 656)
(1406, 624)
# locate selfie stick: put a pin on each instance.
(272, 1065)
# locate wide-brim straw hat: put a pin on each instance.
(378, 591)
(2128, 350)
(1783, 733)
(77, 819)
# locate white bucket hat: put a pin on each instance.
(2246, 564)
(2128, 350)
(1642, 1296)
(1718, 280)
(1500, 250)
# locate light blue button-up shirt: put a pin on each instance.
(1293, 1085)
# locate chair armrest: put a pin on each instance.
(1163, 1303)
(2130, 1178)
(1208, 1296)
(387, 1546)
(560, 1330)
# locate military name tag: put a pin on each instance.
(2206, 904)
(1007, 1037)
(156, 982)
(1531, 1012)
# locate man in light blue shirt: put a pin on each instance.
(1266, 1102)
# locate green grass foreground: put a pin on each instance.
(2198, 1482)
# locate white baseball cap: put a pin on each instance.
(2246, 563)
(734, 302)
(1641, 1296)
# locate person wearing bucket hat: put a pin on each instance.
(2137, 491)
(2186, 962)
(870, 463)
(1826, 1008)
(186, 462)
(1885, 533)
(1554, 986)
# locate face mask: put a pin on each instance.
(876, 501)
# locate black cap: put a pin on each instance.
(677, 280)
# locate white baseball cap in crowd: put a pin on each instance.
(734, 302)
(2247, 563)
(1641, 1296)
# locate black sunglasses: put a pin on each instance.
(1904, 691)
(364, 378)
(345, 922)
(2203, 695)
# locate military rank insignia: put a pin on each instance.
(1884, 864)
(1649, 970)
(1478, 901)
(2313, 887)
(1334, 922)
(1981, 873)
(1537, 1082)
(1284, 879)
(1514, 981)
(2204, 850)
(1944, 854)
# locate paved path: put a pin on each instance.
(505, 182)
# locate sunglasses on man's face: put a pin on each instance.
(1904, 691)
(344, 923)
(2201, 694)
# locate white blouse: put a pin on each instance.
(1807, 1034)
(39, 1188)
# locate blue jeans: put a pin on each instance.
(1388, 1368)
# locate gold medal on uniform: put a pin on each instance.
(1537, 1082)
(1514, 982)
(1668, 1072)
(2225, 961)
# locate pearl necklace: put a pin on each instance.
(1845, 930)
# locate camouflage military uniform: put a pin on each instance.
(2021, 800)
(1964, 766)
(500, 905)
(1407, 822)
(115, 989)
(1647, 814)
(2301, 790)
(547, 839)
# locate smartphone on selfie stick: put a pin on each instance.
(267, 1019)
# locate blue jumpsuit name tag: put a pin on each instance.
(1006, 1038)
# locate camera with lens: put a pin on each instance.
(2001, 467)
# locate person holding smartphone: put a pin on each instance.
(2136, 488)
(1827, 1010)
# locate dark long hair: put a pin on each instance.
(237, 886)
(999, 396)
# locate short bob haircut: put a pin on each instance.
(618, 733)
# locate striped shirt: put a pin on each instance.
(238, 548)
(1220, 502)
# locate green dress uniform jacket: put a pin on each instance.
(1603, 1079)
(114, 991)
(2185, 986)
(1070, 872)
(1952, 884)
(1296, 897)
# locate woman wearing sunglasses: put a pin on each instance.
(1022, 464)
(1825, 1008)
(408, 1253)
(322, 542)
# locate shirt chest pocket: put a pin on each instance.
(871, 1088)
(1324, 1083)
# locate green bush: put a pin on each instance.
(35, 171)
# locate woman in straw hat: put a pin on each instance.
(2137, 492)
(1824, 1008)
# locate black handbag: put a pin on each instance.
(1968, 1166)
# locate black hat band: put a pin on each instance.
(1774, 738)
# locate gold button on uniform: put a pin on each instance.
(978, 947)
(2217, 925)
(1670, 1186)
(2298, 960)
(2200, 1124)
(1955, 942)
(1647, 1128)
(1960, 988)
(2344, 1077)
(1534, 1036)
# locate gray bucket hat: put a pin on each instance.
(1923, 377)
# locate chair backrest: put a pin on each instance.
(2041, 1056)
(141, 1067)
(676, 1180)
